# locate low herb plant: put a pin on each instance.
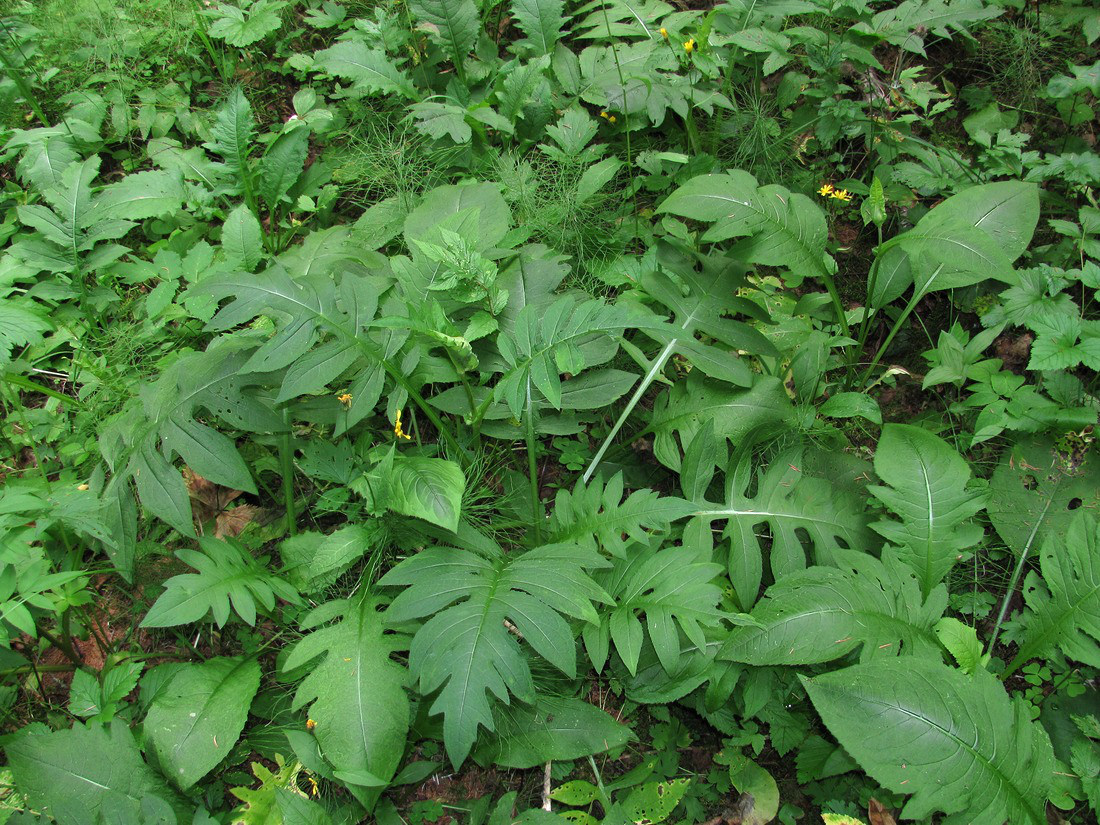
(530, 412)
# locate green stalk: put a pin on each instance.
(1015, 663)
(27, 384)
(909, 307)
(532, 467)
(651, 374)
(20, 81)
(286, 459)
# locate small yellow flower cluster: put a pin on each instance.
(830, 191)
(400, 433)
(344, 398)
(664, 32)
(689, 46)
(608, 118)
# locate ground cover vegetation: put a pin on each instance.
(623, 411)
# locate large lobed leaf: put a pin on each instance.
(541, 21)
(927, 488)
(227, 575)
(1063, 607)
(596, 515)
(958, 743)
(549, 341)
(673, 588)
(791, 502)
(1036, 490)
(356, 693)
(682, 411)
(465, 650)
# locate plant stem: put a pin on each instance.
(1013, 583)
(532, 468)
(909, 307)
(65, 646)
(655, 368)
(286, 459)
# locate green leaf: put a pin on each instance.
(958, 743)
(80, 774)
(427, 488)
(465, 651)
(548, 341)
(195, 721)
(968, 238)
(371, 71)
(620, 18)
(317, 560)
(595, 178)
(927, 488)
(162, 490)
(673, 588)
(1036, 490)
(748, 777)
(873, 208)
(519, 86)
(227, 574)
(439, 120)
(1063, 607)
(961, 641)
(243, 27)
(232, 133)
(282, 165)
(1006, 211)
(455, 22)
(852, 405)
(297, 810)
(542, 21)
(356, 693)
(654, 801)
(783, 229)
(22, 322)
(140, 196)
(209, 453)
(791, 502)
(242, 239)
(682, 410)
(824, 613)
(555, 729)
(595, 515)
(481, 206)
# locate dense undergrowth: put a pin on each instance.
(460, 411)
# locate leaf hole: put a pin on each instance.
(1074, 503)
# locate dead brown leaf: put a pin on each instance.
(209, 502)
(877, 813)
(232, 522)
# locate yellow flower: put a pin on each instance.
(310, 724)
(664, 32)
(842, 195)
(825, 190)
(344, 398)
(312, 786)
(612, 119)
(400, 433)
(604, 115)
(689, 46)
